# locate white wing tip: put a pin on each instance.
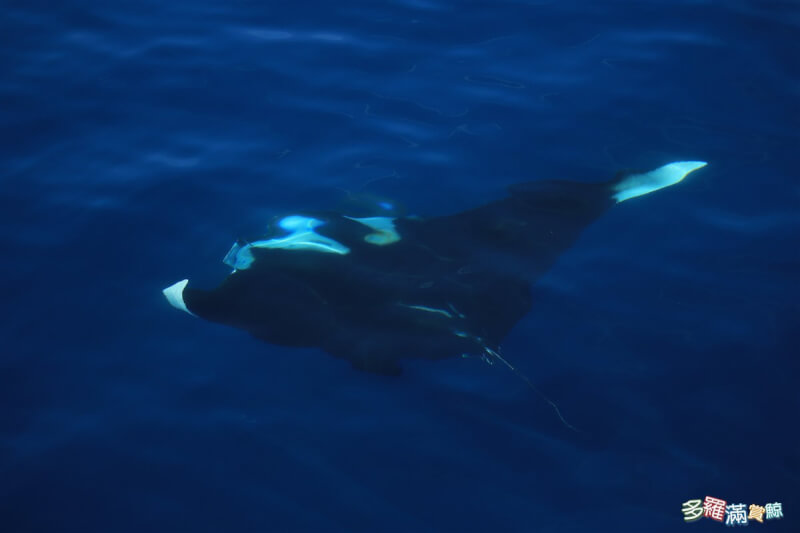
(686, 166)
(174, 295)
(664, 176)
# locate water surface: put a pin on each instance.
(141, 138)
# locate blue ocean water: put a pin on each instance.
(139, 139)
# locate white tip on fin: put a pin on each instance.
(640, 184)
(174, 295)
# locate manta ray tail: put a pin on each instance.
(489, 353)
(634, 185)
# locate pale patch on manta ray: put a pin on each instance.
(385, 232)
(302, 237)
(428, 309)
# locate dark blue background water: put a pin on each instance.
(140, 138)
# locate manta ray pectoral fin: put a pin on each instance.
(635, 185)
(174, 295)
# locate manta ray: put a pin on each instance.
(376, 290)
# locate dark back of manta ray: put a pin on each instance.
(475, 266)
